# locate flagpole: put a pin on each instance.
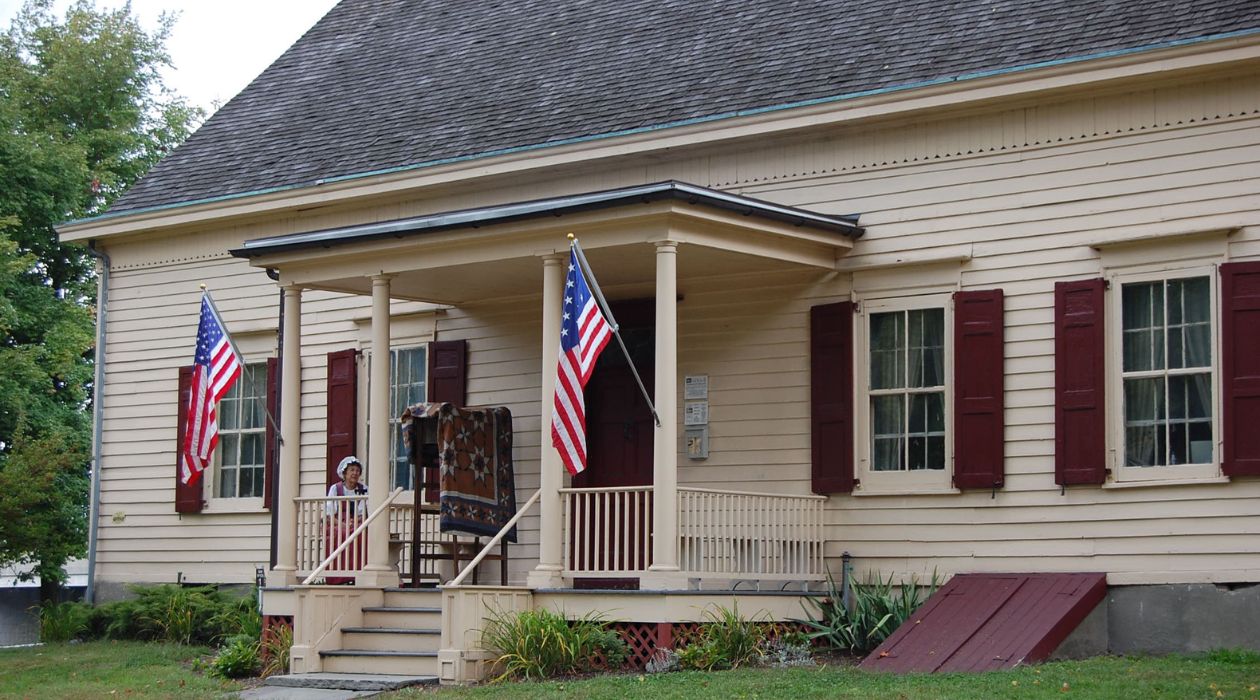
(603, 305)
(215, 310)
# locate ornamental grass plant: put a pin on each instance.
(538, 644)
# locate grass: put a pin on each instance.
(108, 670)
(1228, 674)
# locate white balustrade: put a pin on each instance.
(322, 523)
(608, 530)
(737, 534)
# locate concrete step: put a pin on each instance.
(391, 639)
(421, 617)
(413, 663)
(353, 682)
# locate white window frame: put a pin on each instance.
(1174, 473)
(871, 482)
(211, 479)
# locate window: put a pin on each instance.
(1167, 375)
(243, 435)
(904, 421)
(406, 388)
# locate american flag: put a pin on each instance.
(583, 334)
(217, 368)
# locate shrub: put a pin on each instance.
(61, 622)
(726, 640)
(239, 658)
(171, 613)
(537, 644)
(275, 649)
(875, 612)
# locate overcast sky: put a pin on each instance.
(217, 46)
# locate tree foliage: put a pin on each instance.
(83, 114)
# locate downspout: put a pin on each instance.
(98, 410)
(275, 485)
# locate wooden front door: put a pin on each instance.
(619, 443)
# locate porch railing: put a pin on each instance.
(608, 530)
(739, 534)
(721, 534)
(402, 524)
(324, 522)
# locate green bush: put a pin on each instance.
(239, 658)
(877, 609)
(62, 622)
(171, 613)
(726, 640)
(538, 644)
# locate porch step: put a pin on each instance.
(391, 638)
(402, 618)
(376, 661)
(413, 597)
(353, 682)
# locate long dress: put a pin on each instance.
(340, 520)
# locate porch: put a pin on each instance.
(650, 534)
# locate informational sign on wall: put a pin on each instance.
(696, 413)
(696, 386)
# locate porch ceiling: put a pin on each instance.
(470, 256)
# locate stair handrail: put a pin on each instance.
(353, 536)
(494, 541)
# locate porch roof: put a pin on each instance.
(552, 207)
(494, 252)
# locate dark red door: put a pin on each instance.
(619, 443)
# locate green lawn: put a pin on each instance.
(1216, 675)
(108, 670)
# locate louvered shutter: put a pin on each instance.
(1240, 367)
(343, 404)
(1080, 421)
(831, 397)
(273, 415)
(187, 496)
(978, 389)
(447, 365)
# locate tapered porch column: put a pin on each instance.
(378, 571)
(665, 445)
(284, 573)
(550, 519)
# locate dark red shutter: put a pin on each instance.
(187, 496)
(978, 389)
(831, 397)
(1240, 367)
(272, 418)
(447, 364)
(1080, 420)
(343, 405)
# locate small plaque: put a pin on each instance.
(696, 386)
(696, 413)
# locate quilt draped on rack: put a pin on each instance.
(474, 445)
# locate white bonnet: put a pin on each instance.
(341, 468)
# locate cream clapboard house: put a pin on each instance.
(974, 288)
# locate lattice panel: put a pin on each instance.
(643, 638)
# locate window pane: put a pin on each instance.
(247, 484)
(888, 424)
(887, 350)
(927, 343)
(1143, 399)
(1201, 442)
(1144, 446)
(918, 453)
(227, 483)
(936, 452)
(1143, 307)
(230, 446)
(229, 410)
(252, 448)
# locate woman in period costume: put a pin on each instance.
(342, 516)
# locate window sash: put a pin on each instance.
(1178, 372)
(408, 370)
(242, 451)
(910, 337)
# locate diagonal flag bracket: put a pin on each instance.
(612, 321)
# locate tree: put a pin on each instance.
(83, 114)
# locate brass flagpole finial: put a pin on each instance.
(571, 236)
(203, 286)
